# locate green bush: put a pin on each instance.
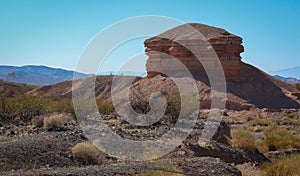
(27, 107)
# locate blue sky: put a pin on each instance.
(55, 32)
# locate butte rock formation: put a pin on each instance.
(204, 43)
(247, 86)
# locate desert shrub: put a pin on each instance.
(60, 105)
(176, 106)
(286, 166)
(280, 138)
(229, 121)
(37, 121)
(260, 122)
(292, 115)
(24, 107)
(27, 107)
(243, 139)
(161, 169)
(105, 106)
(173, 110)
(57, 120)
(297, 86)
(141, 105)
(87, 153)
(290, 121)
(249, 117)
(203, 115)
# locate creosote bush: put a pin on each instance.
(243, 139)
(27, 107)
(87, 153)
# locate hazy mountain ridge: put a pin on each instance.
(43, 75)
(38, 75)
(288, 73)
(287, 80)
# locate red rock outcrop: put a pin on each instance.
(189, 46)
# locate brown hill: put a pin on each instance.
(64, 89)
(8, 89)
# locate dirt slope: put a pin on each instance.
(8, 89)
(256, 89)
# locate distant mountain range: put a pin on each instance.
(42, 75)
(288, 80)
(288, 73)
(37, 75)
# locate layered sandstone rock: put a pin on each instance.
(192, 44)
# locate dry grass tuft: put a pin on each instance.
(243, 139)
(58, 120)
(260, 122)
(286, 166)
(87, 153)
(105, 106)
(162, 169)
(290, 122)
(280, 138)
(37, 121)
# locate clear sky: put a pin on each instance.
(54, 32)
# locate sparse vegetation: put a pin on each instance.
(260, 122)
(57, 120)
(152, 154)
(286, 166)
(87, 153)
(27, 107)
(161, 169)
(105, 106)
(243, 139)
(280, 138)
(249, 117)
(37, 121)
(297, 85)
(290, 121)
